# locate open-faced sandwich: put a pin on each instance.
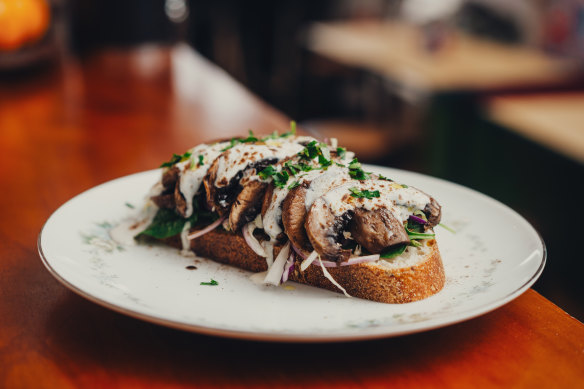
(297, 209)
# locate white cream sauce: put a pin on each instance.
(192, 171)
(322, 181)
(241, 156)
(401, 202)
(273, 216)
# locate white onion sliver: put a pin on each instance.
(277, 269)
(308, 260)
(209, 228)
(251, 241)
(269, 249)
(331, 279)
(364, 259)
(288, 266)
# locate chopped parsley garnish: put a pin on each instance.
(294, 185)
(382, 177)
(310, 151)
(404, 186)
(267, 172)
(356, 172)
(176, 158)
(317, 150)
(294, 168)
(341, 152)
(324, 162)
(360, 194)
(201, 160)
(280, 179)
(131, 206)
(234, 141)
(250, 138)
(292, 131)
(211, 283)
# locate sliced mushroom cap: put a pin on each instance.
(164, 200)
(377, 211)
(247, 204)
(294, 216)
(433, 212)
(323, 230)
(169, 177)
(300, 199)
(179, 200)
(377, 229)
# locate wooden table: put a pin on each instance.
(396, 50)
(555, 120)
(67, 130)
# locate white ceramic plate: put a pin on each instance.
(494, 256)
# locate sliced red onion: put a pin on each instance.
(288, 266)
(363, 259)
(418, 219)
(328, 263)
(298, 251)
(252, 242)
(209, 228)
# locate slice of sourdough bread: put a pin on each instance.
(416, 274)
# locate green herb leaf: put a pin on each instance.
(294, 169)
(267, 172)
(294, 185)
(419, 235)
(382, 177)
(165, 224)
(176, 158)
(356, 172)
(393, 251)
(447, 228)
(211, 283)
(292, 131)
(201, 160)
(310, 151)
(363, 194)
(131, 206)
(341, 152)
(280, 179)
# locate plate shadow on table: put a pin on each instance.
(112, 345)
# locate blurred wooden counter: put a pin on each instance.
(397, 50)
(121, 112)
(555, 120)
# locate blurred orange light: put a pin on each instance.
(22, 22)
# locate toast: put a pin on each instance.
(299, 210)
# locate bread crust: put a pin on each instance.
(368, 281)
(373, 282)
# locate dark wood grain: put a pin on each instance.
(73, 127)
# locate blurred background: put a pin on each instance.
(485, 93)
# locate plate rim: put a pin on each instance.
(377, 333)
